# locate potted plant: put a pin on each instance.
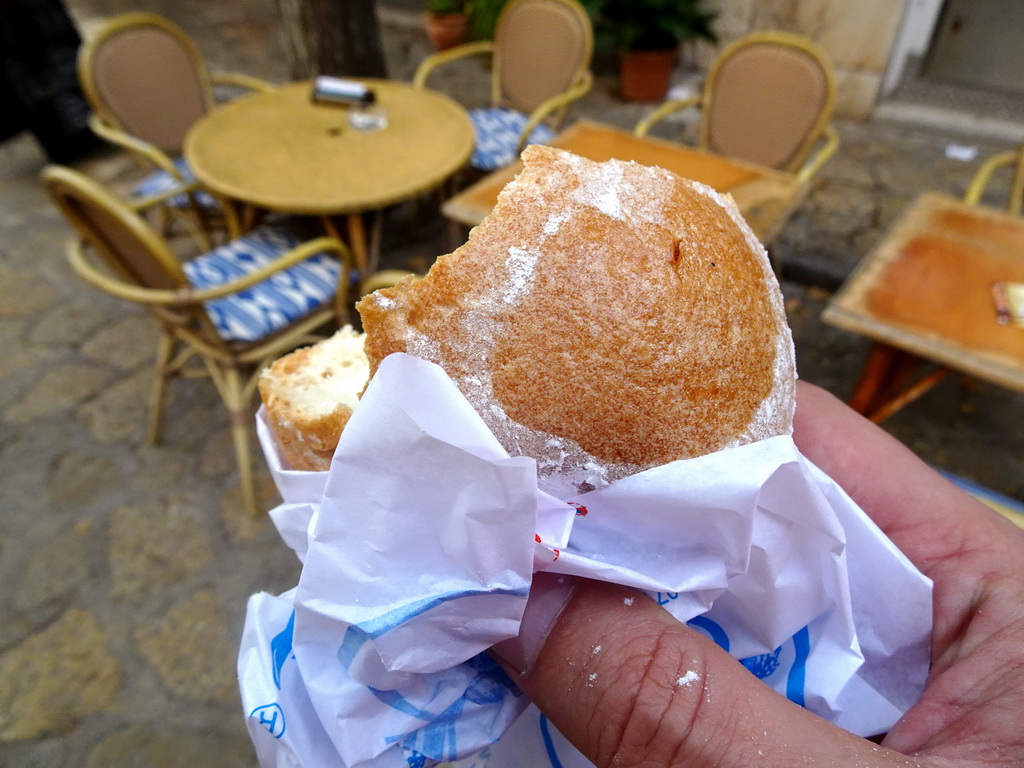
(647, 35)
(447, 23)
(484, 17)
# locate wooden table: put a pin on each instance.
(924, 296)
(279, 151)
(765, 197)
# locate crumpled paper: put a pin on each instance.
(418, 549)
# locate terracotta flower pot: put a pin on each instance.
(645, 75)
(447, 30)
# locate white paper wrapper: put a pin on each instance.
(419, 547)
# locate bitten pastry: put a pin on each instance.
(604, 319)
(309, 395)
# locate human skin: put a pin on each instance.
(660, 694)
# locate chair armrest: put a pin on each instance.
(238, 80)
(186, 295)
(663, 111)
(139, 204)
(436, 60)
(385, 278)
(982, 177)
(149, 154)
(814, 163)
(560, 101)
(147, 151)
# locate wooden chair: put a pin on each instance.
(1013, 159)
(147, 84)
(541, 56)
(767, 99)
(225, 314)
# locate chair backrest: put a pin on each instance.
(120, 236)
(144, 75)
(541, 48)
(1015, 198)
(984, 176)
(767, 98)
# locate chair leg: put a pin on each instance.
(164, 218)
(240, 424)
(193, 221)
(240, 435)
(161, 371)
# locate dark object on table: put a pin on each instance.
(336, 90)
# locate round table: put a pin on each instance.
(280, 151)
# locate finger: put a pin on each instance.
(964, 547)
(925, 514)
(629, 685)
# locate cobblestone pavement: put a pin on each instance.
(126, 567)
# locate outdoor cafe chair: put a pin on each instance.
(767, 99)
(147, 84)
(541, 56)
(985, 175)
(225, 314)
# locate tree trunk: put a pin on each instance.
(332, 37)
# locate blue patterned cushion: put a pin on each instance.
(269, 306)
(162, 181)
(497, 134)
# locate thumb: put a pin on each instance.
(630, 685)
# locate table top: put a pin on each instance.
(281, 151)
(766, 197)
(926, 288)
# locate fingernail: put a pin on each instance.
(549, 594)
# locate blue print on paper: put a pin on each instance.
(549, 742)
(387, 622)
(487, 693)
(765, 665)
(281, 649)
(271, 717)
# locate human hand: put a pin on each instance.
(661, 694)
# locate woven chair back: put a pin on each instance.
(126, 243)
(146, 76)
(542, 47)
(766, 100)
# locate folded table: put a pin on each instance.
(924, 296)
(766, 197)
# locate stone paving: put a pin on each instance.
(126, 567)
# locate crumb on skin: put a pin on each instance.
(687, 679)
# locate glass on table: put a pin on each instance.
(368, 116)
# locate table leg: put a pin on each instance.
(343, 298)
(233, 217)
(376, 241)
(875, 376)
(455, 234)
(904, 368)
(357, 242)
(252, 217)
(885, 383)
(907, 396)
